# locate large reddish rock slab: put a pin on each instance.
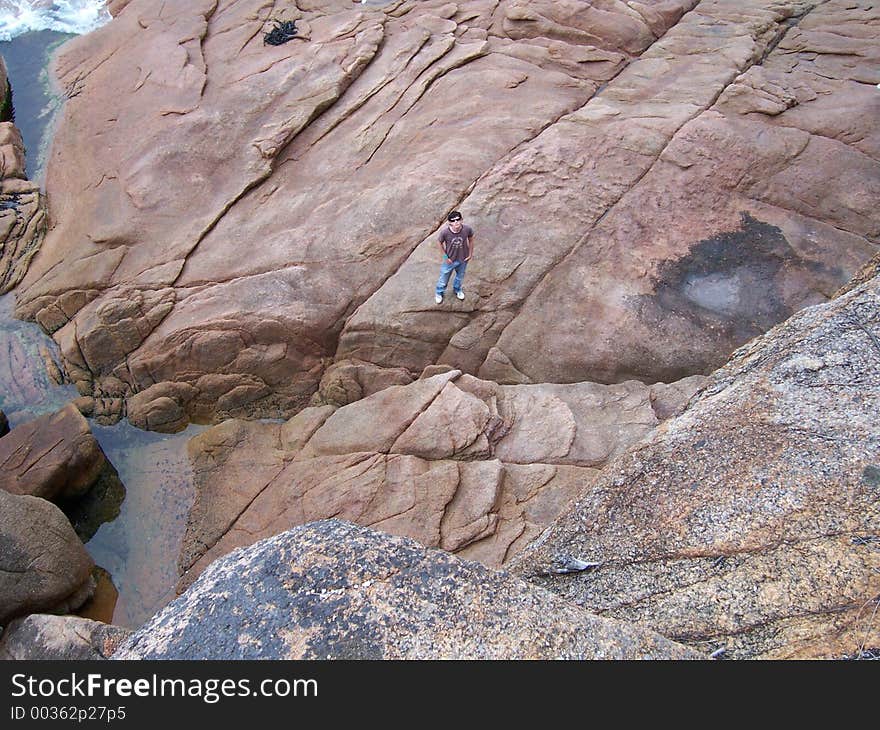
(218, 229)
(751, 522)
(449, 460)
(706, 193)
(55, 457)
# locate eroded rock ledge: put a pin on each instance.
(22, 213)
(452, 461)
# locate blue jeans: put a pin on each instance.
(446, 268)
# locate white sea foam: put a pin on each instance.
(65, 16)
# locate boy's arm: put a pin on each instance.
(442, 246)
(470, 247)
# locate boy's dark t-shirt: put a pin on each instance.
(456, 244)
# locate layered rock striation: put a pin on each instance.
(22, 209)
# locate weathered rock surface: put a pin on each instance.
(22, 216)
(333, 590)
(449, 460)
(55, 457)
(44, 637)
(751, 522)
(43, 565)
(708, 191)
(154, 202)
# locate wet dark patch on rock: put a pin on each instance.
(871, 476)
(727, 290)
(730, 282)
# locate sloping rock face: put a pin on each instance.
(220, 228)
(22, 214)
(44, 637)
(333, 590)
(451, 461)
(708, 191)
(43, 564)
(751, 522)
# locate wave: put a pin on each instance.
(64, 16)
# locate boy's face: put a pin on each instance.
(455, 226)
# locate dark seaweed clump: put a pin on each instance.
(282, 32)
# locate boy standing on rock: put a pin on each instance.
(457, 244)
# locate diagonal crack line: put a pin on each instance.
(865, 236)
(281, 157)
(858, 322)
(440, 73)
(202, 38)
(220, 215)
(261, 26)
(490, 168)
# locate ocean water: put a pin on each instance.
(30, 32)
(35, 102)
(73, 16)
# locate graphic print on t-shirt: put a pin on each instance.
(456, 245)
(453, 248)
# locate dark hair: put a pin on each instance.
(454, 216)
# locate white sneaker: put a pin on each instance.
(459, 294)
(438, 299)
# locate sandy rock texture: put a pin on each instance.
(750, 522)
(220, 228)
(449, 460)
(43, 637)
(43, 564)
(22, 210)
(333, 590)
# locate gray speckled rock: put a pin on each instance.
(334, 590)
(41, 636)
(752, 520)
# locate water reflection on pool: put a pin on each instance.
(140, 547)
